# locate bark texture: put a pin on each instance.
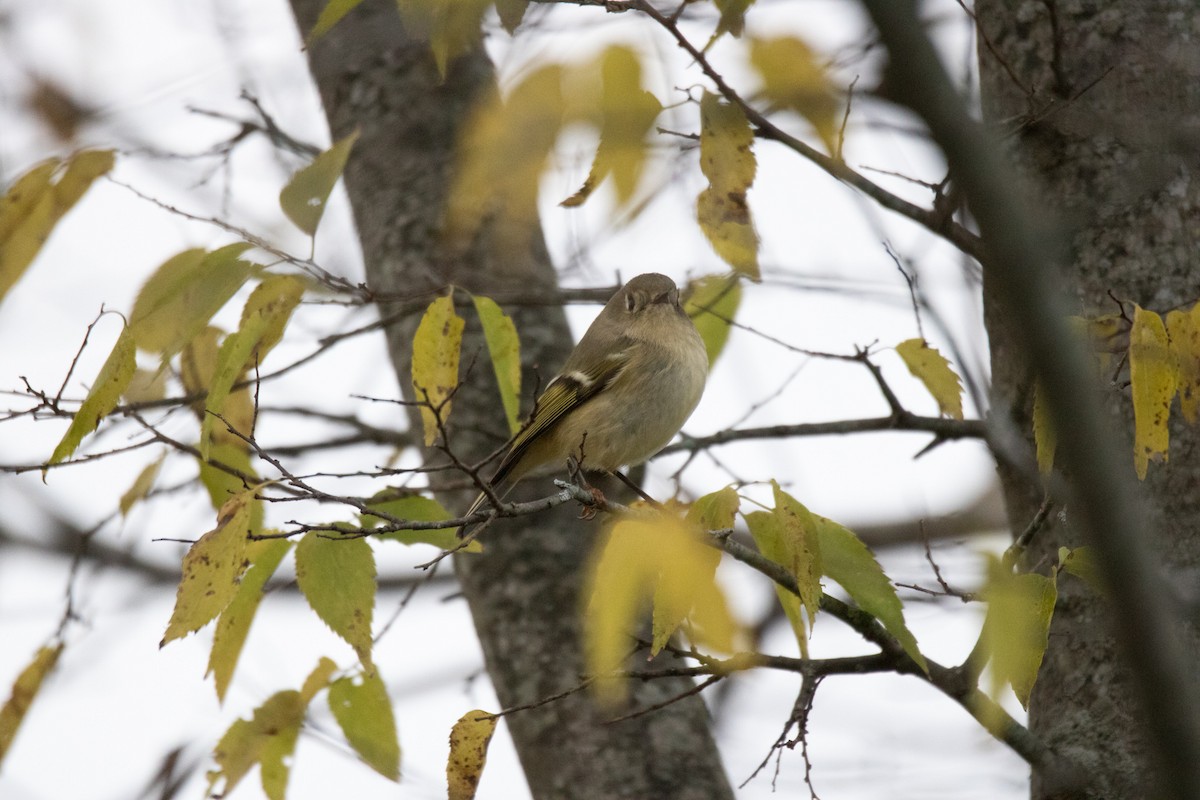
(524, 591)
(1103, 102)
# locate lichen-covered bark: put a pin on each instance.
(524, 591)
(1103, 101)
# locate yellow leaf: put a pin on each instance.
(716, 511)
(182, 295)
(793, 78)
(436, 346)
(141, 485)
(469, 739)
(103, 398)
(686, 579)
(337, 577)
(728, 162)
(211, 569)
(1152, 383)
(502, 155)
(22, 197)
(933, 370)
(267, 739)
(273, 300)
(1183, 330)
(1016, 628)
(1044, 436)
(24, 690)
(626, 115)
(305, 196)
(146, 386)
(82, 171)
(711, 301)
(504, 346)
(233, 625)
(318, 679)
(457, 28)
(363, 710)
(1081, 562)
(330, 15)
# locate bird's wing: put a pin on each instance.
(567, 392)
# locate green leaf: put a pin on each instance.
(331, 15)
(1081, 562)
(364, 711)
(103, 398)
(141, 485)
(24, 690)
(417, 508)
(1152, 385)
(716, 511)
(469, 739)
(305, 196)
(504, 347)
(337, 577)
(846, 560)
(727, 160)
(268, 739)
(933, 370)
(221, 485)
(1017, 627)
(711, 301)
(211, 568)
(178, 300)
(733, 16)
(436, 346)
(233, 626)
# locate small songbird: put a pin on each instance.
(625, 391)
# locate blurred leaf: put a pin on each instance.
(305, 196)
(182, 295)
(331, 15)
(733, 16)
(273, 300)
(436, 346)
(103, 398)
(1183, 330)
(716, 511)
(1152, 383)
(318, 679)
(364, 711)
(502, 155)
(1044, 436)
(511, 13)
(198, 367)
(727, 160)
(845, 559)
(504, 346)
(710, 301)
(141, 485)
(233, 625)
(1081, 562)
(267, 739)
(417, 508)
(146, 386)
(24, 690)
(933, 370)
(337, 577)
(457, 28)
(33, 205)
(793, 78)
(1016, 627)
(626, 116)
(469, 739)
(211, 569)
(221, 484)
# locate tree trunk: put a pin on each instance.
(524, 590)
(1104, 99)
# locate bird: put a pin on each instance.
(626, 389)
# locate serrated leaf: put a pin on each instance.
(1045, 438)
(178, 300)
(711, 301)
(233, 625)
(337, 577)
(511, 12)
(933, 370)
(727, 160)
(1183, 330)
(469, 739)
(32, 206)
(330, 15)
(1152, 384)
(846, 560)
(505, 148)
(267, 739)
(1016, 628)
(417, 508)
(24, 691)
(626, 116)
(304, 198)
(141, 485)
(211, 568)
(363, 710)
(198, 366)
(794, 78)
(504, 346)
(436, 346)
(106, 392)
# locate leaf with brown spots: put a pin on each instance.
(469, 739)
(337, 577)
(436, 347)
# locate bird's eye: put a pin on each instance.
(630, 302)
